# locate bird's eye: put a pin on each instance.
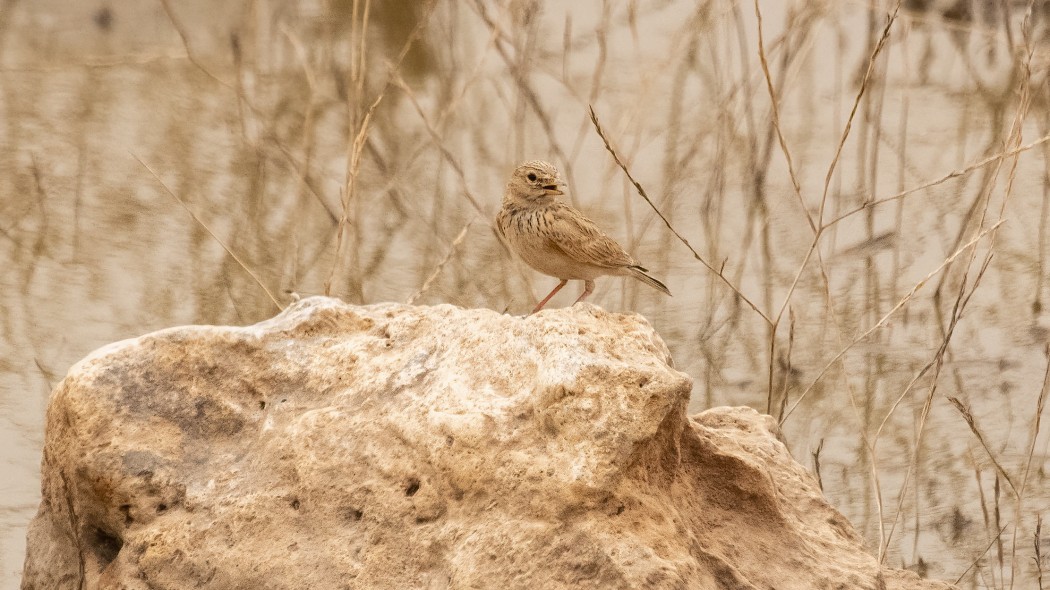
(531, 177)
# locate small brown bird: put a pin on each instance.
(557, 240)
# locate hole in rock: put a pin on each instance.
(295, 503)
(355, 514)
(106, 546)
(262, 405)
(162, 508)
(125, 509)
(413, 487)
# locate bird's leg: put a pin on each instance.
(540, 305)
(588, 288)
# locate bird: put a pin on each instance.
(557, 239)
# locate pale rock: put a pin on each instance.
(392, 446)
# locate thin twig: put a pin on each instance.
(181, 30)
(360, 139)
(882, 321)
(856, 103)
(834, 162)
(441, 265)
(213, 234)
(961, 301)
(641, 191)
(439, 142)
(953, 174)
(974, 562)
(48, 375)
(776, 120)
(1039, 549)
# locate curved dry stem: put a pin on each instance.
(641, 191)
(210, 232)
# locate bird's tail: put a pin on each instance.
(639, 273)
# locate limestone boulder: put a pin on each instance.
(391, 446)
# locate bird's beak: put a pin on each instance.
(552, 189)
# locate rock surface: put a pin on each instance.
(391, 446)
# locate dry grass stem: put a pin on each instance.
(201, 223)
(184, 36)
(972, 423)
(981, 556)
(953, 174)
(882, 321)
(959, 305)
(352, 168)
(438, 139)
(820, 227)
(774, 102)
(441, 265)
(1038, 542)
(641, 191)
(1037, 421)
(356, 147)
(890, 19)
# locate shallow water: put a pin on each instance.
(98, 251)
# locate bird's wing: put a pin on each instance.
(580, 239)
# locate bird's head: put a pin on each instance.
(535, 180)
